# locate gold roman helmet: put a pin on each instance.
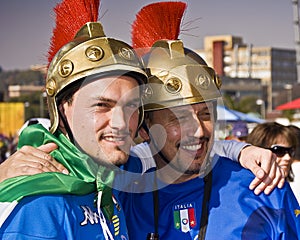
(177, 76)
(90, 53)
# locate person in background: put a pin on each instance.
(3, 148)
(295, 167)
(279, 139)
(239, 132)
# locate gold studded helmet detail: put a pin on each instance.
(178, 76)
(90, 53)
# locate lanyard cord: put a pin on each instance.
(106, 232)
(156, 210)
(204, 215)
(205, 212)
(155, 195)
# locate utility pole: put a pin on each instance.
(297, 35)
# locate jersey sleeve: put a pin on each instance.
(228, 148)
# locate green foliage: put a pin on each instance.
(228, 101)
(289, 114)
(244, 104)
(17, 77)
(248, 104)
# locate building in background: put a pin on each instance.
(19, 90)
(239, 64)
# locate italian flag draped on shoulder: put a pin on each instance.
(82, 178)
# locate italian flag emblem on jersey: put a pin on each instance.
(184, 217)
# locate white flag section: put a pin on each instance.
(5, 209)
(185, 222)
(144, 153)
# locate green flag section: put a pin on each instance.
(83, 178)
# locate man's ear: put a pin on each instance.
(143, 133)
(61, 110)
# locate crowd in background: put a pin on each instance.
(8, 146)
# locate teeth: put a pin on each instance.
(192, 147)
(114, 139)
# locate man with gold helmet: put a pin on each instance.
(32, 161)
(93, 87)
(82, 138)
(189, 194)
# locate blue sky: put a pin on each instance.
(26, 26)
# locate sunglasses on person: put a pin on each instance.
(281, 151)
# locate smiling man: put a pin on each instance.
(184, 138)
(194, 195)
(113, 113)
(93, 94)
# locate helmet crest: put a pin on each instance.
(155, 22)
(69, 20)
(177, 75)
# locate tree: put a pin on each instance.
(244, 104)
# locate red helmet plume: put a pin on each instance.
(71, 15)
(155, 22)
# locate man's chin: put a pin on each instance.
(118, 158)
(195, 167)
(111, 157)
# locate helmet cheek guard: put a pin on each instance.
(90, 54)
(178, 76)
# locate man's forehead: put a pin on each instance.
(108, 83)
(109, 79)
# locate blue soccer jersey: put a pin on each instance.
(61, 217)
(235, 212)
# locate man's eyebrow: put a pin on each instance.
(104, 99)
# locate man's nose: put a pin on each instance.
(197, 126)
(118, 120)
